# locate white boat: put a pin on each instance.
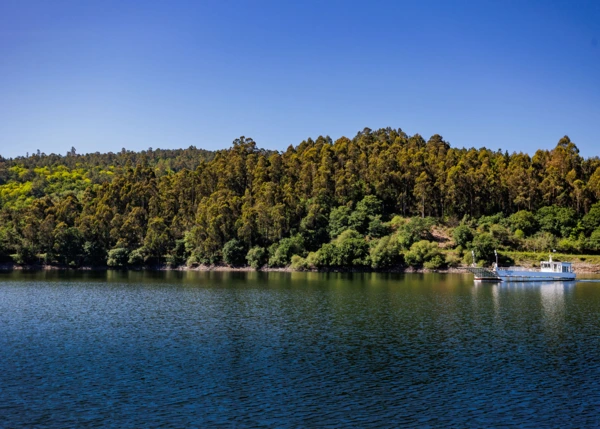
(549, 271)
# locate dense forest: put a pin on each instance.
(380, 200)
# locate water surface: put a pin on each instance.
(176, 349)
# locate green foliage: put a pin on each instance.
(189, 204)
(299, 263)
(569, 245)
(137, 257)
(484, 245)
(280, 254)
(540, 242)
(178, 254)
(377, 228)
(68, 245)
(453, 259)
(485, 222)
(424, 253)
(385, 253)
(118, 258)
(94, 253)
(594, 240)
(350, 250)
(339, 219)
(524, 221)
(257, 257)
(416, 229)
(367, 211)
(234, 253)
(559, 221)
(591, 220)
(463, 235)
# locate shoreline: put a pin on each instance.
(579, 267)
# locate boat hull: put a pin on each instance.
(488, 275)
(533, 276)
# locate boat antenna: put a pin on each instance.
(496, 253)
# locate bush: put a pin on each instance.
(453, 259)
(177, 256)
(558, 221)
(591, 220)
(501, 234)
(351, 250)
(281, 254)
(484, 245)
(377, 228)
(118, 258)
(414, 230)
(94, 253)
(463, 235)
(366, 210)
(524, 221)
(568, 245)
(594, 240)
(137, 257)
(540, 242)
(68, 245)
(422, 252)
(486, 222)
(234, 253)
(385, 253)
(256, 257)
(338, 220)
(434, 263)
(299, 263)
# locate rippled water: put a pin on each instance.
(295, 350)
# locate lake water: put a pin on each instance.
(176, 349)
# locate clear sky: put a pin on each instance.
(103, 75)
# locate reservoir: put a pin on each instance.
(246, 349)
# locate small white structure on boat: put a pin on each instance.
(549, 271)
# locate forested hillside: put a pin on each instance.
(382, 199)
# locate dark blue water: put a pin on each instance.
(132, 350)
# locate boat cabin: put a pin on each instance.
(551, 266)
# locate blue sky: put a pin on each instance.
(103, 75)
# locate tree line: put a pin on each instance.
(381, 199)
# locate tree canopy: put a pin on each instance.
(249, 205)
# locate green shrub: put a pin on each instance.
(385, 253)
(423, 251)
(414, 230)
(558, 221)
(281, 253)
(234, 253)
(485, 222)
(540, 242)
(351, 250)
(453, 259)
(594, 240)
(137, 257)
(591, 220)
(299, 263)
(177, 256)
(377, 228)
(434, 263)
(568, 245)
(484, 245)
(118, 257)
(523, 221)
(256, 257)
(338, 220)
(463, 235)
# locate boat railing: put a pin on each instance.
(518, 269)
